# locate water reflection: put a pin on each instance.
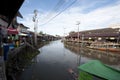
(55, 59)
(106, 57)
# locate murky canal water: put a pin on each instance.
(53, 63)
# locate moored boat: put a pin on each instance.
(113, 47)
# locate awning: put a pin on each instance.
(12, 31)
(22, 34)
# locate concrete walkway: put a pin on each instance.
(2, 69)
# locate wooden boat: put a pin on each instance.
(113, 47)
(95, 70)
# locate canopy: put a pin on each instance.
(22, 34)
(97, 68)
(12, 31)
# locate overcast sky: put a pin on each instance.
(92, 14)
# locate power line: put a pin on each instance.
(59, 13)
(56, 8)
(58, 5)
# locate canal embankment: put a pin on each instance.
(2, 69)
(109, 58)
(21, 57)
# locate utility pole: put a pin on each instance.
(64, 34)
(79, 56)
(35, 26)
(78, 23)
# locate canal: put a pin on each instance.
(53, 63)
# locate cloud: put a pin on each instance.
(99, 18)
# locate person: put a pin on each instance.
(17, 43)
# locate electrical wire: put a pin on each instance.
(59, 13)
(59, 4)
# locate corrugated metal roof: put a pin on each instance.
(106, 32)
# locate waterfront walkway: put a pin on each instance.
(2, 69)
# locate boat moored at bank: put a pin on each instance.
(112, 47)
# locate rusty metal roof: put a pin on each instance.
(106, 32)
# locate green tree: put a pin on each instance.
(40, 32)
(72, 32)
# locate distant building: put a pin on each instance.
(105, 34)
(23, 29)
